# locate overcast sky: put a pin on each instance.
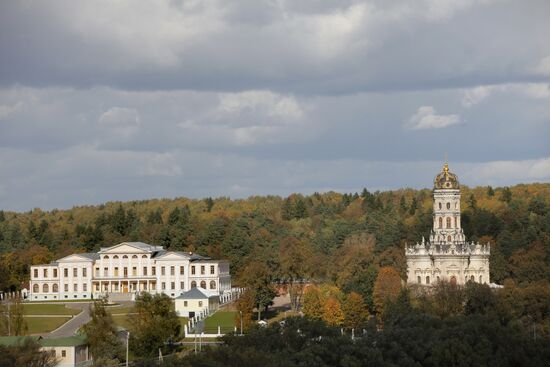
(120, 100)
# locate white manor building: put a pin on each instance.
(126, 269)
(447, 255)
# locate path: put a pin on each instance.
(70, 327)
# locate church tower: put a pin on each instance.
(446, 255)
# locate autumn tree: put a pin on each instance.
(355, 311)
(245, 308)
(295, 257)
(312, 305)
(258, 277)
(386, 287)
(332, 312)
(102, 336)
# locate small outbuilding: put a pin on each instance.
(195, 301)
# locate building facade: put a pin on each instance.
(447, 255)
(125, 269)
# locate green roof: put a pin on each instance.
(70, 341)
(10, 341)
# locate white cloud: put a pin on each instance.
(7, 110)
(543, 67)
(475, 95)
(427, 118)
(122, 121)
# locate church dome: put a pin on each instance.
(446, 180)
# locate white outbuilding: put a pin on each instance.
(195, 301)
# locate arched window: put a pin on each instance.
(124, 257)
(144, 256)
(448, 238)
(428, 280)
(437, 279)
(45, 288)
(472, 278)
(212, 284)
(419, 280)
(35, 288)
(134, 257)
(439, 205)
(453, 280)
(193, 284)
(203, 284)
(448, 205)
(105, 257)
(55, 288)
(115, 257)
(448, 222)
(480, 279)
(440, 222)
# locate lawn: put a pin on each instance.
(224, 319)
(120, 309)
(48, 309)
(40, 325)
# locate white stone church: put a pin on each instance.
(447, 255)
(126, 269)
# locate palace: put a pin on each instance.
(126, 269)
(447, 255)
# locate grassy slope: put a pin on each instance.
(48, 309)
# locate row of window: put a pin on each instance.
(472, 278)
(106, 257)
(448, 205)
(448, 222)
(55, 288)
(153, 271)
(193, 285)
(65, 272)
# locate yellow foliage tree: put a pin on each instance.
(355, 311)
(386, 288)
(312, 305)
(332, 312)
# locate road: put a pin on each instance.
(70, 327)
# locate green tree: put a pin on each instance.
(154, 324)
(102, 336)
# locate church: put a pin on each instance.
(447, 256)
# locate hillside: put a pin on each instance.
(346, 237)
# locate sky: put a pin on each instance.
(124, 100)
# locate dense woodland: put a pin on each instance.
(343, 238)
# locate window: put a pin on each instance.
(144, 270)
(212, 284)
(480, 279)
(63, 353)
(35, 288)
(437, 278)
(45, 288)
(182, 270)
(75, 287)
(55, 273)
(116, 271)
(193, 270)
(105, 272)
(84, 272)
(163, 286)
(162, 270)
(134, 257)
(124, 257)
(203, 284)
(45, 273)
(125, 271)
(200, 303)
(439, 205)
(144, 256)
(427, 280)
(105, 257)
(202, 270)
(85, 287)
(55, 288)
(172, 270)
(182, 285)
(75, 272)
(66, 273)
(472, 278)
(134, 271)
(96, 271)
(35, 273)
(193, 284)
(419, 280)
(448, 238)
(115, 257)
(448, 205)
(184, 303)
(440, 222)
(212, 270)
(448, 222)
(66, 287)
(172, 285)
(97, 287)
(153, 271)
